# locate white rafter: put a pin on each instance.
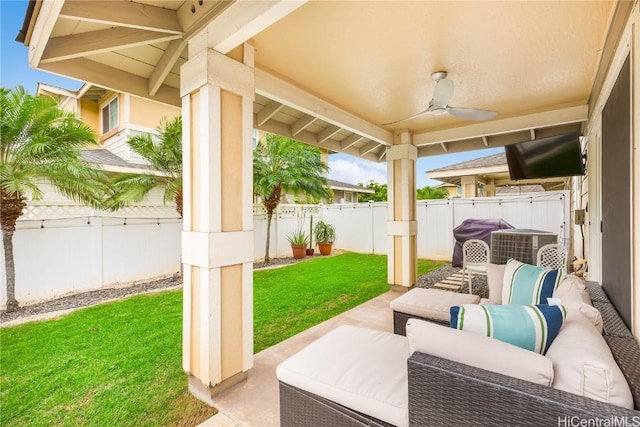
(270, 110)
(351, 140)
(123, 14)
(112, 78)
(94, 42)
(368, 148)
(302, 123)
(165, 64)
(327, 133)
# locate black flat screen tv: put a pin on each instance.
(555, 156)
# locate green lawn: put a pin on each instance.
(115, 364)
(291, 299)
(119, 364)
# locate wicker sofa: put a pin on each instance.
(442, 392)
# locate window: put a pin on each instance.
(348, 197)
(110, 116)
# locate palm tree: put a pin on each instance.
(165, 156)
(39, 143)
(283, 165)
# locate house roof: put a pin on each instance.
(487, 168)
(339, 185)
(498, 159)
(112, 163)
(520, 189)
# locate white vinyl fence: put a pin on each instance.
(61, 247)
(362, 227)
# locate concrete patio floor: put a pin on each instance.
(255, 402)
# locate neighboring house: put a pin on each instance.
(115, 117)
(489, 176)
(347, 193)
(452, 189)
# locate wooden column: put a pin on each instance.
(217, 240)
(402, 227)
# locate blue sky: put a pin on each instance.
(15, 71)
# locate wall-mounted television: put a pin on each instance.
(551, 157)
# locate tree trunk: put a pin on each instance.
(178, 200)
(270, 204)
(9, 267)
(266, 251)
(10, 210)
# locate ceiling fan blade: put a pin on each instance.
(471, 113)
(427, 111)
(443, 92)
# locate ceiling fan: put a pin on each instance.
(439, 104)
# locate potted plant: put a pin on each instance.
(325, 236)
(299, 241)
(310, 249)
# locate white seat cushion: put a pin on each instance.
(431, 303)
(362, 369)
(583, 363)
(478, 350)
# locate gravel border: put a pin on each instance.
(57, 307)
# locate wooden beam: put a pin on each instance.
(45, 21)
(310, 138)
(368, 148)
(302, 124)
(112, 78)
(533, 133)
(550, 118)
(485, 140)
(327, 133)
(269, 110)
(498, 140)
(350, 140)
(445, 147)
(242, 20)
(279, 90)
(94, 42)
(123, 14)
(165, 64)
(382, 153)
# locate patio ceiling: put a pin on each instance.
(329, 73)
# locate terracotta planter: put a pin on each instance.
(325, 248)
(310, 252)
(298, 251)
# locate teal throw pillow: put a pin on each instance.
(532, 327)
(528, 284)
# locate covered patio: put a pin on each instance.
(330, 74)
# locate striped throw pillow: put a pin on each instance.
(528, 284)
(532, 327)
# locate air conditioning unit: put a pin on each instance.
(522, 245)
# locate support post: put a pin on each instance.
(402, 227)
(217, 240)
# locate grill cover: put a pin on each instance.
(475, 229)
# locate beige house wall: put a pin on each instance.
(90, 114)
(149, 113)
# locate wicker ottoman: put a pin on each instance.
(426, 304)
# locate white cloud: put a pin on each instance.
(353, 170)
